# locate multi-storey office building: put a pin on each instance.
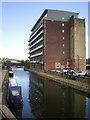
(58, 41)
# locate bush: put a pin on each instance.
(71, 77)
(6, 62)
(64, 86)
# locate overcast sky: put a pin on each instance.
(19, 17)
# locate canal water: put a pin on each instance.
(43, 98)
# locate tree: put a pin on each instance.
(6, 62)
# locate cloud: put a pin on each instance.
(19, 52)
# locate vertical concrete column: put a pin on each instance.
(78, 44)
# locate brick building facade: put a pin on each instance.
(57, 41)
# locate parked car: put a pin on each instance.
(70, 69)
(53, 70)
(70, 72)
(64, 70)
(81, 73)
(58, 70)
(87, 74)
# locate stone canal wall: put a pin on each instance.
(5, 113)
(4, 86)
(80, 83)
(82, 79)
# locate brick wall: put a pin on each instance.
(56, 49)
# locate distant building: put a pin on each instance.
(58, 41)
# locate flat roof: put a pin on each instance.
(45, 11)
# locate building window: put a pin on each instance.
(63, 52)
(63, 38)
(63, 31)
(63, 24)
(62, 45)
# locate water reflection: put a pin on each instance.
(46, 99)
(22, 78)
(17, 112)
(49, 100)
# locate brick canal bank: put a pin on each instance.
(5, 113)
(81, 83)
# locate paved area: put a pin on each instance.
(5, 113)
(2, 76)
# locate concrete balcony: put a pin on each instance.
(36, 36)
(36, 31)
(36, 48)
(36, 42)
(38, 54)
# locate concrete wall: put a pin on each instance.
(3, 92)
(78, 44)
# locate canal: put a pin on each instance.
(43, 98)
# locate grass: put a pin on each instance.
(64, 86)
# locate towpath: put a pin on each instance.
(5, 113)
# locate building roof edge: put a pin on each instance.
(45, 11)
